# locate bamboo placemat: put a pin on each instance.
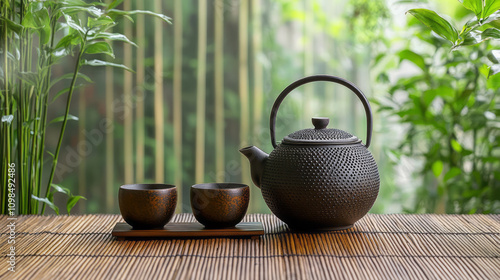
(377, 247)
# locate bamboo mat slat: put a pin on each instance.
(377, 247)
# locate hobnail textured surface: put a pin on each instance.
(316, 187)
(320, 134)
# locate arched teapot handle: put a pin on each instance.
(325, 78)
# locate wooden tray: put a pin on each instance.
(187, 230)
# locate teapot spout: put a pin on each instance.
(257, 160)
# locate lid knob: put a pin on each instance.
(320, 123)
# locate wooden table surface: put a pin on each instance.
(377, 247)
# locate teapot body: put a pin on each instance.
(320, 186)
(317, 178)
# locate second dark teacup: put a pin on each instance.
(219, 205)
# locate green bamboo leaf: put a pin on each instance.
(492, 19)
(61, 26)
(378, 58)
(71, 3)
(490, 33)
(63, 91)
(93, 11)
(476, 6)
(494, 56)
(494, 69)
(114, 12)
(456, 146)
(30, 122)
(61, 118)
(429, 96)
(58, 54)
(45, 33)
(72, 39)
(490, 6)
(37, 17)
(103, 21)
(97, 62)
(115, 3)
(472, 38)
(112, 37)
(65, 41)
(13, 26)
(489, 159)
(99, 48)
(42, 15)
(59, 93)
(71, 23)
(84, 77)
(48, 202)
(410, 1)
(445, 92)
(453, 172)
(72, 202)
(70, 76)
(438, 24)
(62, 52)
(60, 189)
(413, 57)
(437, 168)
(30, 21)
(15, 58)
(466, 152)
(30, 78)
(129, 18)
(494, 24)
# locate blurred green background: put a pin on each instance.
(205, 84)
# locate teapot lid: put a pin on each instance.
(320, 135)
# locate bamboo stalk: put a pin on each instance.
(21, 170)
(36, 141)
(5, 161)
(258, 73)
(178, 99)
(82, 179)
(32, 138)
(110, 153)
(63, 126)
(6, 132)
(139, 148)
(201, 92)
(44, 106)
(258, 90)
(127, 96)
(308, 57)
(352, 120)
(110, 144)
(158, 97)
(219, 90)
(331, 106)
(26, 164)
(243, 87)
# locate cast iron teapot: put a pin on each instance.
(319, 178)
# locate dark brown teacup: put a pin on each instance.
(147, 206)
(219, 205)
